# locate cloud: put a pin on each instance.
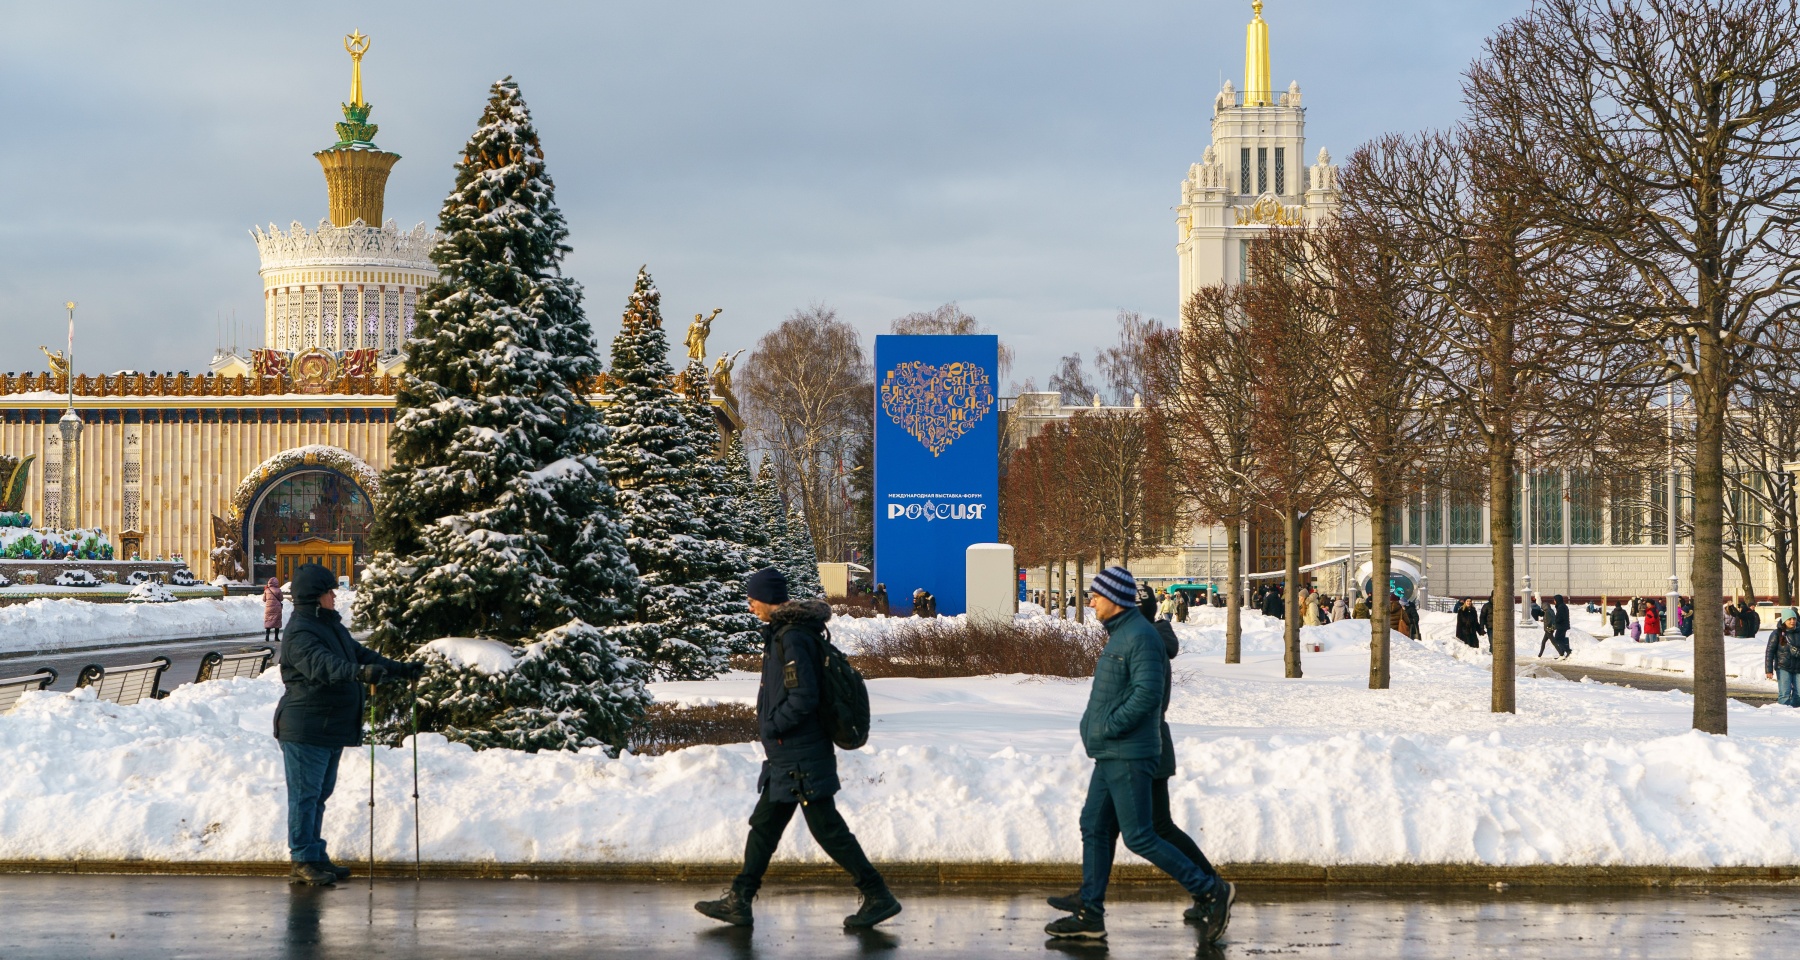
(1020, 158)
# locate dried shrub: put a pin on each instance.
(672, 726)
(748, 662)
(964, 648)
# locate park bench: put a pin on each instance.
(125, 685)
(226, 666)
(12, 688)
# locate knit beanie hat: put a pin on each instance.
(312, 581)
(1118, 585)
(768, 585)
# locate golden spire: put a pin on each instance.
(356, 45)
(1256, 61)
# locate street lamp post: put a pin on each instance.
(1674, 598)
(1525, 618)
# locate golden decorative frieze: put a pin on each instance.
(1267, 212)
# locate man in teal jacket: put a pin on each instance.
(1122, 731)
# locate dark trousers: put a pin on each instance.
(311, 776)
(271, 634)
(1165, 827)
(769, 821)
(1120, 804)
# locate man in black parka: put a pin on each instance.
(800, 769)
(321, 712)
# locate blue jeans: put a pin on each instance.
(311, 775)
(1787, 688)
(1119, 804)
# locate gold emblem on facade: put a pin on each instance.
(1266, 211)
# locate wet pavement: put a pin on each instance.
(207, 917)
(1643, 680)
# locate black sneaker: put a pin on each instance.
(312, 875)
(876, 907)
(342, 873)
(732, 908)
(1212, 914)
(1068, 904)
(1085, 924)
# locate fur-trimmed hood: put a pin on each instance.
(815, 612)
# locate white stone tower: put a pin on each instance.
(353, 283)
(1252, 178)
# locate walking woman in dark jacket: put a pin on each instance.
(1468, 624)
(321, 712)
(1620, 620)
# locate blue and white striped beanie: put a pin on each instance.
(1118, 585)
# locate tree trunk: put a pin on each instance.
(1049, 584)
(1234, 594)
(1290, 523)
(1500, 534)
(1381, 563)
(1707, 572)
(1062, 593)
(1080, 578)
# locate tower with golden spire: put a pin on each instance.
(353, 283)
(1252, 178)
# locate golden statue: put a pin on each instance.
(59, 364)
(697, 334)
(721, 374)
(356, 45)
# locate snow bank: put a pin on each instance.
(1316, 770)
(50, 625)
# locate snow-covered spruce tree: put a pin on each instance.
(496, 519)
(689, 608)
(785, 549)
(726, 513)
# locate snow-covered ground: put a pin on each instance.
(1318, 770)
(50, 625)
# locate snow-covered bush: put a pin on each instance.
(183, 577)
(77, 578)
(150, 592)
(138, 576)
(15, 519)
(4, 582)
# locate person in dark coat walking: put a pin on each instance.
(1468, 624)
(271, 610)
(799, 770)
(880, 600)
(321, 712)
(1121, 730)
(1274, 605)
(1487, 615)
(1781, 658)
(1749, 621)
(1620, 620)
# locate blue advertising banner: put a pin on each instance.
(937, 454)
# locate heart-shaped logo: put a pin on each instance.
(936, 404)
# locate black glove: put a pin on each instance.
(372, 673)
(411, 671)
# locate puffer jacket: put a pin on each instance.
(1124, 709)
(271, 605)
(324, 702)
(1783, 651)
(801, 761)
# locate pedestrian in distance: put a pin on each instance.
(1361, 610)
(1397, 619)
(1749, 621)
(1468, 624)
(1687, 616)
(1728, 620)
(1122, 731)
(1620, 620)
(1558, 615)
(1652, 624)
(271, 610)
(1487, 618)
(325, 674)
(1181, 607)
(799, 770)
(1274, 605)
(1781, 658)
(880, 601)
(1340, 610)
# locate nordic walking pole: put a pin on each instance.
(418, 863)
(371, 787)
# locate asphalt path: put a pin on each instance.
(184, 658)
(1644, 680)
(215, 917)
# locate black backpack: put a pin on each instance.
(843, 697)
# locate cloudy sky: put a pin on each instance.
(1021, 158)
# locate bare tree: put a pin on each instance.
(1388, 436)
(1071, 381)
(1292, 343)
(1664, 132)
(949, 320)
(808, 399)
(1124, 364)
(1117, 473)
(1203, 378)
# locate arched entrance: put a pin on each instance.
(308, 505)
